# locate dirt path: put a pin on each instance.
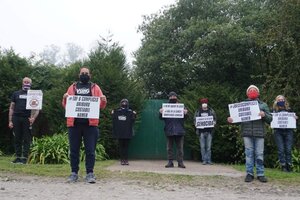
(228, 186)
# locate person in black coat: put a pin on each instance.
(123, 120)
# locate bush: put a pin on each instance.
(55, 150)
(296, 160)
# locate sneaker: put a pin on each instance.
(181, 165)
(262, 179)
(170, 164)
(90, 178)
(122, 162)
(126, 162)
(204, 163)
(17, 161)
(249, 178)
(73, 177)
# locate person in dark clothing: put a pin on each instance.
(21, 121)
(283, 136)
(174, 131)
(205, 134)
(253, 133)
(85, 129)
(123, 121)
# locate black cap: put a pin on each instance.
(172, 94)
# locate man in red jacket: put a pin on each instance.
(83, 128)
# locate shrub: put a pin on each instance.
(296, 160)
(55, 150)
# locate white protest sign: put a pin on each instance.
(173, 110)
(83, 107)
(34, 100)
(244, 111)
(205, 122)
(283, 120)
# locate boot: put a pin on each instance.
(181, 165)
(170, 164)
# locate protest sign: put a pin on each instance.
(173, 110)
(83, 107)
(205, 122)
(244, 111)
(34, 100)
(283, 120)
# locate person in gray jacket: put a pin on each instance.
(253, 133)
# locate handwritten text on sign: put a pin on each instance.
(34, 100)
(283, 120)
(83, 107)
(244, 111)
(173, 110)
(205, 122)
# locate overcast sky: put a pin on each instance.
(29, 25)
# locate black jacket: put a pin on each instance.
(123, 120)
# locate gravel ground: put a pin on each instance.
(226, 184)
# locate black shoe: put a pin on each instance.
(24, 160)
(284, 168)
(249, 178)
(126, 162)
(289, 168)
(181, 165)
(122, 162)
(262, 179)
(170, 164)
(17, 161)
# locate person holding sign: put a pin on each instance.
(205, 119)
(81, 127)
(123, 120)
(283, 135)
(253, 133)
(174, 128)
(21, 120)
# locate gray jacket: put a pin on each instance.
(257, 128)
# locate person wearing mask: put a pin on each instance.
(174, 131)
(82, 128)
(283, 136)
(123, 121)
(253, 133)
(205, 134)
(21, 121)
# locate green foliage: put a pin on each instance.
(55, 150)
(296, 160)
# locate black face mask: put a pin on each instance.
(172, 100)
(84, 78)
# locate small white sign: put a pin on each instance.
(173, 110)
(205, 122)
(34, 100)
(83, 107)
(244, 111)
(283, 120)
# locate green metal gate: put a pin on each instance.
(149, 141)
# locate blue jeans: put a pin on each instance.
(284, 141)
(254, 151)
(89, 135)
(205, 146)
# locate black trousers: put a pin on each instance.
(178, 139)
(123, 146)
(22, 136)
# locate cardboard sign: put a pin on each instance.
(34, 100)
(83, 107)
(173, 110)
(283, 120)
(244, 111)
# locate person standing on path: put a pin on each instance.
(283, 136)
(253, 133)
(123, 121)
(21, 121)
(174, 130)
(205, 134)
(82, 128)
